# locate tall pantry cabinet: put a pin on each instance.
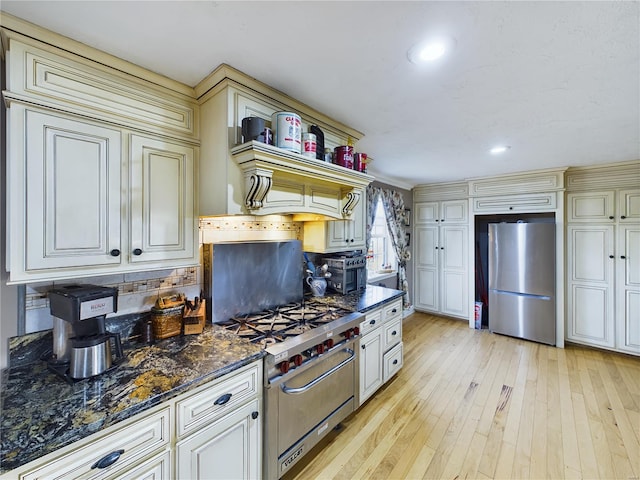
(441, 216)
(603, 257)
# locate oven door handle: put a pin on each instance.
(316, 380)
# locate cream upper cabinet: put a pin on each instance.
(64, 179)
(450, 211)
(163, 201)
(338, 235)
(81, 205)
(86, 196)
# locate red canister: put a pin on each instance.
(360, 162)
(343, 156)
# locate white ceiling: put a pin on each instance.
(557, 81)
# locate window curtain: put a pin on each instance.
(395, 215)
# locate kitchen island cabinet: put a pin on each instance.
(603, 241)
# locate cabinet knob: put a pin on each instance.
(611, 217)
(510, 208)
(223, 399)
(612, 256)
(137, 251)
(372, 322)
(622, 257)
(437, 220)
(394, 310)
(115, 252)
(622, 217)
(363, 347)
(395, 362)
(442, 219)
(108, 460)
(394, 333)
(254, 415)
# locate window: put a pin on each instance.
(381, 258)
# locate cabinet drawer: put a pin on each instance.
(392, 362)
(392, 333)
(373, 320)
(213, 401)
(156, 468)
(393, 311)
(534, 202)
(136, 440)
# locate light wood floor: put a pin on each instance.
(469, 404)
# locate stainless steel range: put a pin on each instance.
(311, 367)
(311, 375)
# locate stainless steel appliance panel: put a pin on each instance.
(523, 257)
(311, 396)
(522, 280)
(523, 316)
(250, 277)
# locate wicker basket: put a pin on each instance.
(167, 322)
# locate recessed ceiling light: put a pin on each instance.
(499, 149)
(430, 50)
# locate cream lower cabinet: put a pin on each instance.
(603, 260)
(380, 348)
(80, 204)
(226, 449)
(212, 432)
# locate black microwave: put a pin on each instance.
(348, 273)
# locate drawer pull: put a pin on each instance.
(394, 310)
(372, 322)
(395, 362)
(394, 333)
(223, 399)
(108, 459)
(254, 415)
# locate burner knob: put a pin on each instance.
(297, 359)
(347, 334)
(356, 330)
(329, 343)
(284, 367)
(320, 348)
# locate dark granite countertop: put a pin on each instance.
(362, 300)
(40, 412)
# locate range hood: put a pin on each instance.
(277, 181)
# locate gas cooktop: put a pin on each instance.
(276, 325)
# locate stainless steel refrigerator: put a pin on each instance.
(522, 272)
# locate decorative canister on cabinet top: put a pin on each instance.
(288, 130)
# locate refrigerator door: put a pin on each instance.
(522, 258)
(523, 316)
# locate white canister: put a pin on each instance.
(288, 130)
(309, 145)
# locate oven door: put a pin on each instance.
(308, 398)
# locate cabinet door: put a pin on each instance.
(64, 192)
(591, 207)
(370, 364)
(591, 261)
(454, 277)
(628, 289)
(163, 214)
(349, 234)
(454, 211)
(426, 212)
(227, 449)
(629, 206)
(426, 268)
(156, 468)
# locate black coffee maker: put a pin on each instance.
(81, 344)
